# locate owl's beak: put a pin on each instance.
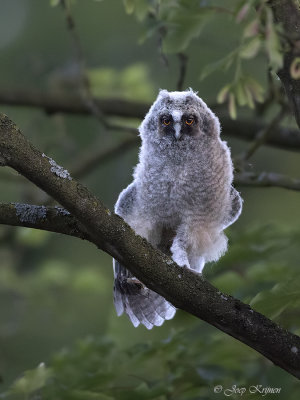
(177, 128)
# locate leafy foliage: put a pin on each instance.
(189, 362)
(282, 296)
(176, 21)
(258, 270)
(185, 366)
(179, 22)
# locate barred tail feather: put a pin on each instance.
(142, 305)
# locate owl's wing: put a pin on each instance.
(142, 305)
(126, 202)
(235, 210)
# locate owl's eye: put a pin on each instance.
(166, 121)
(190, 121)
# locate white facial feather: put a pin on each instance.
(177, 115)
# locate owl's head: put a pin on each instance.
(179, 116)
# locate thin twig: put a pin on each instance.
(267, 179)
(123, 128)
(85, 89)
(182, 70)
(263, 135)
(95, 158)
(260, 139)
(161, 34)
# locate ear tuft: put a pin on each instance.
(163, 93)
(192, 91)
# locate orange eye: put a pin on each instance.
(189, 121)
(166, 121)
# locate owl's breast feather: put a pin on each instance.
(198, 186)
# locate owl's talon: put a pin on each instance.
(135, 281)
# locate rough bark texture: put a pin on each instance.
(52, 219)
(182, 287)
(287, 13)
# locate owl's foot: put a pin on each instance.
(180, 257)
(197, 264)
(178, 250)
(133, 285)
(134, 281)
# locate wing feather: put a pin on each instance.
(235, 210)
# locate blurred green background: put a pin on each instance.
(56, 290)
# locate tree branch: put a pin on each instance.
(246, 129)
(183, 59)
(93, 159)
(51, 103)
(85, 87)
(52, 219)
(262, 137)
(181, 286)
(56, 102)
(287, 14)
(267, 179)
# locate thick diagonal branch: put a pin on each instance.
(182, 287)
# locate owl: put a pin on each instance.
(181, 198)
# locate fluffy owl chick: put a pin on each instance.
(182, 183)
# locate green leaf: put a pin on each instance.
(249, 97)
(228, 282)
(240, 93)
(32, 380)
(88, 395)
(252, 28)
(178, 38)
(283, 295)
(272, 43)
(54, 3)
(270, 272)
(242, 13)
(141, 9)
(222, 64)
(255, 88)
(129, 6)
(223, 94)
(232, 106)
(183, 21)
(251, 48)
